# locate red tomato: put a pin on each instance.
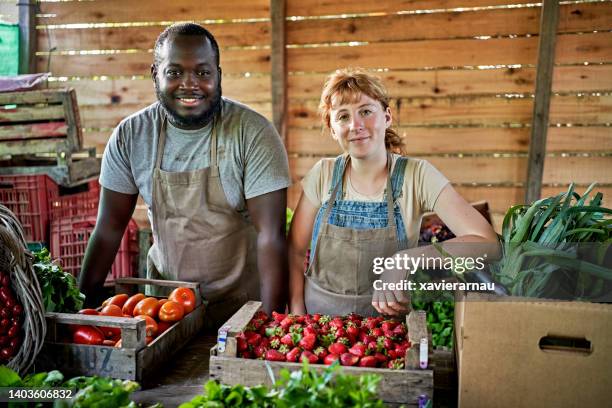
(87, 335)
(151, 325)
(185, 297)
(118, 300)
(130, 304)
(111, 332)
(92, 312)
(147, 307)
(171, 312)
(111, 310)
(162, 327)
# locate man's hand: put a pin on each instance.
(388, 301)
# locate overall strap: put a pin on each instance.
(338, 175)
(397, 178)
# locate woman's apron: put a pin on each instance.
(199, 237)
(347, 236)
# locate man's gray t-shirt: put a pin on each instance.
(251, 158)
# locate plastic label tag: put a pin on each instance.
(222, 338)
(423, 354)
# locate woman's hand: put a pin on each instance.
(390, 298)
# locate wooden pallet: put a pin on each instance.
(135, 360)
(397, 387)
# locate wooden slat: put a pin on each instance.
(336, 7)
(518, 21)
(449, 53)
(484, 110)
(232, 61)
(279, 67)
(467, 81)
(28, 113)
(541, 106)
(142, 91)
(105, 11)
(33, 131)
(31, 97)
(109, 116)
(465, 140)
(143, 38)
(562, 170)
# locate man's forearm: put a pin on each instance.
(272, 265)
(99, 257)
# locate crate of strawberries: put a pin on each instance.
(128, 336)
(251, 345)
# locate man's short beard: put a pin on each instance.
(192, 121)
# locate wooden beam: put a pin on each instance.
(279, 67)
(544, 75)
(27, 36)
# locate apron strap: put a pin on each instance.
(161, 142)
(213, 140)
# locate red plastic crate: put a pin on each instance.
(28, 197)
(84, 203)
(69, 237)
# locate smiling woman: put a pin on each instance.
(364, 204)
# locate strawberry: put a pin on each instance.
(273, 331)
(337, 323)
(287, 322)
(352, 329)
(259, 351)
(324, 319)
(308, 341)
(368, 361)
(261, 315)
(381, 358)
(396, 364)
(310, 356)
(296, 328)
(330, 358)
(326, 339)
(400, 330)
(354, 317)
(316, 317)
(242, 342)
(343, 340)
(372, 347)
(369, 322)
(376, 332)
(274, 355)
(293, 355)
(291, 339)
(388, 343)
(400, 349)
(348, 359)
(246, 354)
(300, 319)
(310, 329)
(340, 333)
(392, 354)
(337, 348)
(320, 352)
(278, 317)
(387, 327)
(275, 342)
(253, 339)
(358, 349)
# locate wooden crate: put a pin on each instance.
(397, 387)
(135, 359)
(42, 121)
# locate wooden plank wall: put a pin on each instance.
(462, 75)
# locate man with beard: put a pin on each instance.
(213, 174)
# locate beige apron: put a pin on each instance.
(199, 237)
(340, 279)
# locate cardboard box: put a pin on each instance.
(533, 353)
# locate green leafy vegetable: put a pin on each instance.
(59, 289)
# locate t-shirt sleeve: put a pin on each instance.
(116, 173)
(266, 167)
(312, 184)
(430, 183)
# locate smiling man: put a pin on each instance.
(213, 174)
